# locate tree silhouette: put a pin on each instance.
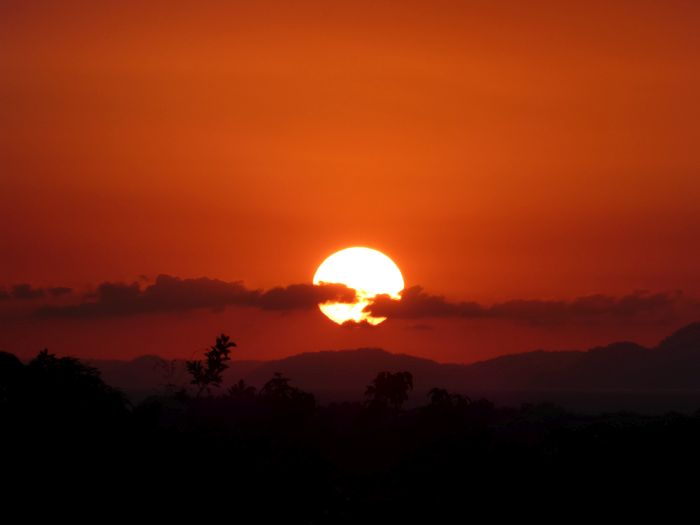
(390, 389)
(70, 379)
(277, 388)
(11, 373)
(442, 399)
(279, 392)
(241, 389)
(168, 369)
(209, 373)
(58, 393)
(439, 397)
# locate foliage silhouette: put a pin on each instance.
(55, 394)
(442, 399)
(279, 392)
(209, 373)
(11, 372)
(241, 389)
(338, 463)
(390, 389)
(277, 388)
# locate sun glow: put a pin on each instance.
(369, 272)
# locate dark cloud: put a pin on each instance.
(22, 292)
(59, 291)
(26, 291)
(301, 296)
(417, 304)
(636, 304)
(172, 294)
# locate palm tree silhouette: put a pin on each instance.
(279, 392)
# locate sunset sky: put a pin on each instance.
(533, 167)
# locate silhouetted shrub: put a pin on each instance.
(390, 389)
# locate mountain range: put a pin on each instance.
(670, 368)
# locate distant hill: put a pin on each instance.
(147, 374)
(674, 364)
(349, 371)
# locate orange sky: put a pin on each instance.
(495, 150)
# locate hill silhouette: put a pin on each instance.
(670, 368)
(373, 459)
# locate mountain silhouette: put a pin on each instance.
(147, 374)
(672, 365)
(687, 339)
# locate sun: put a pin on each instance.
(369, 272)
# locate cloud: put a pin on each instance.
(303, 296)
(417, 304)
(172, 294)
(59, 291)
(26, 291)
(636, 304)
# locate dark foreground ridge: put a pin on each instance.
(275, 450)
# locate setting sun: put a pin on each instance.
(369, 272)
